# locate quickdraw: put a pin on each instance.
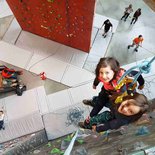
(129, 90)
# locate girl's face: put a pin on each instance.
(129, 108)
(106, 74)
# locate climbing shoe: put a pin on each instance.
(81, 125)
(88, 102)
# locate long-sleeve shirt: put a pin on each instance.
(118, 121)
(128, 10)
(138, 40)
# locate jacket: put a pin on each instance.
(110, 86)
(118, 120)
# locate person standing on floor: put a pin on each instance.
(2, 120)
(127, 12)
(136, 42)
(136, 16)
(107, 24)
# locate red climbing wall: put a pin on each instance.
(66, 21)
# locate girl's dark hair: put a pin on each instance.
(140, 99)
(105, 62)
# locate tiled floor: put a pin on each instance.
(125, 32)
(75, 68)
(5, 11)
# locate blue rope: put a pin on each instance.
(136, 77)
(126, 73)
(144, 67)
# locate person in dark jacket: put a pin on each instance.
(136, 16)
(107, 24)
(108, 72)
(128, 111)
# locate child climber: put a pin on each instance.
(123, 113)
(108, 72)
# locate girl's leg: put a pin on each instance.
(96, 99)
(99, 102)
(88, 102)
(98, 119)
(97, 108)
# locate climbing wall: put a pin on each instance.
(65, 21)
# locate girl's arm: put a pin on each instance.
(113, 124)
(140, 79)
(96, 82)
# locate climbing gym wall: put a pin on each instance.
(65, 21)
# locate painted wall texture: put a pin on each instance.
(65, 21)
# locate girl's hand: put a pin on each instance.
(87, 119)
(94, 87)
(141, 87)
(94, 128)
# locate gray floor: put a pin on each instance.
(125, 32)
(28, 79)
(4, 24)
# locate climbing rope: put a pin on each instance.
(143, 67)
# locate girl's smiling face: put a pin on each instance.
(106, 74)
(129, 108)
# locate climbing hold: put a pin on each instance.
(143, 130)
(43, 75)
